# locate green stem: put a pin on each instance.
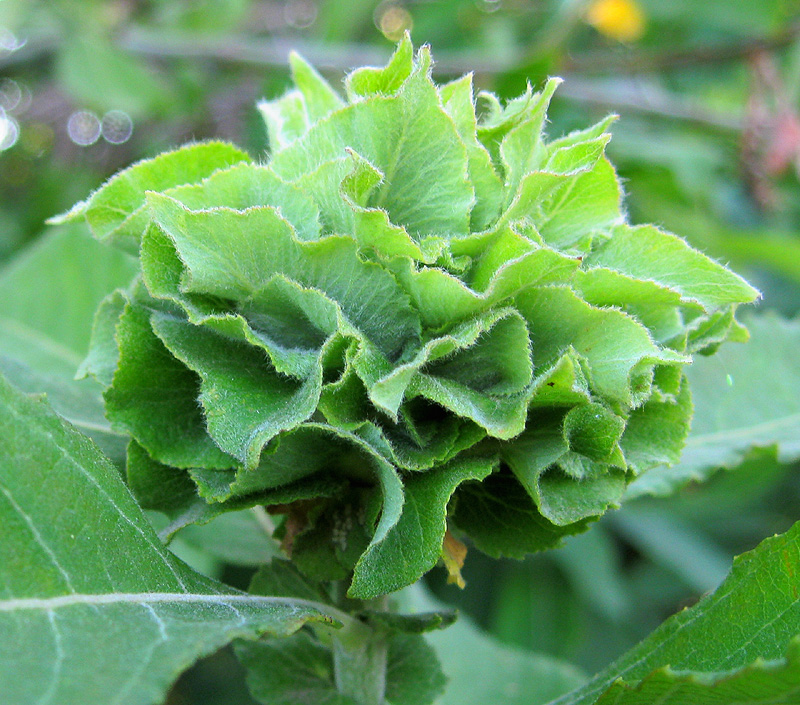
(359, 656)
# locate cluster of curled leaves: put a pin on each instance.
(409, 318)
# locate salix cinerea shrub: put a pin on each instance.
(418, 313)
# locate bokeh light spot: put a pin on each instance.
(393, 21)
(83, 128)
(9, 131)
(9, 41)
(488, 5)
(10, 94)
(300, 13)
(116, 127)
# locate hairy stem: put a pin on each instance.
(359, 656)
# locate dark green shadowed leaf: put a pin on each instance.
(94, 609)
(245, 401)
(502, 519)
(413, 545)
(154, 397)
(299, 670)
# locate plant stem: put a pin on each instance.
(359, 656)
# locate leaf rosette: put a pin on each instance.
(417, 313)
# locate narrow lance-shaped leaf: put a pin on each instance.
(721, 644)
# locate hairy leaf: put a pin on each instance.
(93, 607)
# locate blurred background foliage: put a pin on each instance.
(708, 145)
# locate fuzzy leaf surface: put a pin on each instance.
(93, 607)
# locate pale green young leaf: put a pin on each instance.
(224, 259)
(367, 81)
(568, 208)
(246, 185)
(459, 104)
(619, 351)
(94, 608)
(522, 148)
(116, 210)
(318, 95)
(658, 307)
(286, 119)
(727, 635)
(428, 196)
(645, 252)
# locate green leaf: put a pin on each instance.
(764, 682)
(426, 196)
(247, 185)
(645, 252)
(418, 623)
(412, 546)
(292, 671)
(47, 298)
(722, 642)
(116, 210)
(368, 81)
(153, 397)
(94, 608)
(459, 104)
(413, 673)
(620, 352)
(318, 96)
(746, 396)
(502, 519)
(246, 403)
(210, 243)
(300, 670)
(238, 538)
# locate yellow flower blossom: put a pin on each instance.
(622, 20)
